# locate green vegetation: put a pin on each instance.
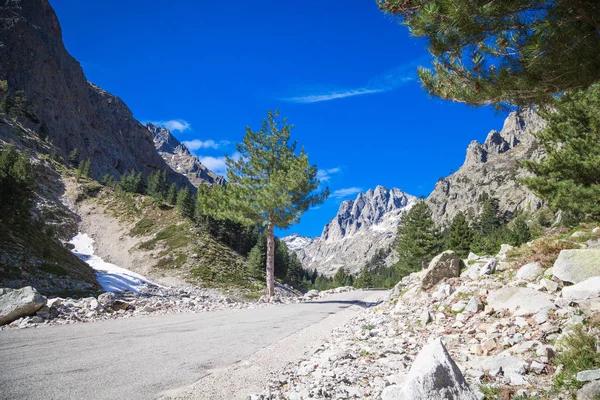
(568, 177)
(544, 250)
(460, 236)
(578, 351)
(16, 185)
(268, 184)
(504, 52)
(418, 239)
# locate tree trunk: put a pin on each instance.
(270, 262)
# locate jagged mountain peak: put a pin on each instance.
(178, 156)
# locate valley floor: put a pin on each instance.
(180, 356)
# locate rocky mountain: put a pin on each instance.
(180, 159)
(492, 167)
(360, 228)
(47, 86)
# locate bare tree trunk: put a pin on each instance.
(270, 262)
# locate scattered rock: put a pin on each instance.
(587, 289)
(434, 375)
(589, 375)
(577, 265)
(444, 265)
(17, 303)
(519, 301)
(107, 299)
(474, 305)
(530, 271)
(489, 267)
(589, 391)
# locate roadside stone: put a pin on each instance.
(459, 306)
(537, 367)
(444, 265)
(107, 300)
(435, 376)
(17, 303)
(589, 391)
(474, 305)
(577, 265)
(530, 271)
(549, 285)
(425, 318)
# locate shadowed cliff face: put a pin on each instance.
(61, 104)
(492, 167)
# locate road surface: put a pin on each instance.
(141, 357)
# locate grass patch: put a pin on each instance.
(54, 269)
(174, 236)
(577, 352)
(167, 263)
(368, 327)
(544, 250)
(143, 227)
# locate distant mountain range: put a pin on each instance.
(370, 222)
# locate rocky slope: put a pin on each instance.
(180, 159)
(503, 323)
(360, 228)
(57, 101)
(492, 167)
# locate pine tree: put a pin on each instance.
(139, 186)
(185, 203)
(270, 184)
(460, 236)
(295, 273)
(74, 157)
(364, 280)
(258, 257)
(282, 259)
(16, 184)
(511, 52)
(418, 240)
(568, 178)
(518, 231)
(341, 278)
(157, 185)
(84, 169)
(172, 194)
(108, 180)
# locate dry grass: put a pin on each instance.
(544, 250)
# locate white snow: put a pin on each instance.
(112, 278)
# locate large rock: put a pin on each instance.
(434, 376)
(590, 391)
(17, 303)
(444, 265)
(577, 265)
(519, 300)
(530, 271)
(588, 289)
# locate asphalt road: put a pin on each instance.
(138, 358)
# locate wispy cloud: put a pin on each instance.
(197, 144)
(174, 125)
(217, 164)
(341, 193)
(385, 82)
(324, 175)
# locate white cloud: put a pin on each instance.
(174, 125)
(324, 175)
(197, 144)
(217, 164)
(385, 82)
(341, 193)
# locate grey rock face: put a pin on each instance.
(590, 391)
(520, 301)
(588, 289)
(62, 106)
(530, 271)
(434, 375)
(17, 303)
(577, 265)
(179, 158)
(492, 168)
(444, 265)
(361, 228)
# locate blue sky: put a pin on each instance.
(342, 72)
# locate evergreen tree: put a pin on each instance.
(295, 273)
(127, 182)
(364, 280)
(74, 157)
(157, 185)
(83, 169)
(518, 231)
(16, 184)
(185, 203)
(568, 177)
(460, 236)
(341, 278)
(257, 258)
(108, 180)
(139, 186)
(418, 240)
(270, 184)
(282, 259)
(505, 52)
(172, 194)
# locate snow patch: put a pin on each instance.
(111, 277)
